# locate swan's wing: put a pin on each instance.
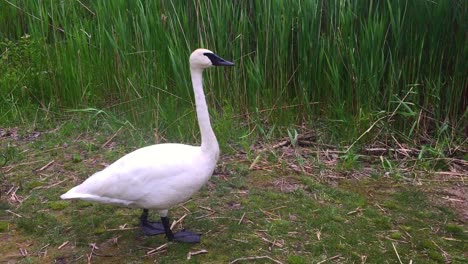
(140, 175)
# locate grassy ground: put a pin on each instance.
(282, 205)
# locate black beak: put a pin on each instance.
(218, 61)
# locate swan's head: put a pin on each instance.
(203, 58)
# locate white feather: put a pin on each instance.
(159, 176)
(155, 177)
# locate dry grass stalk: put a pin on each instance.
(42, 251)
(111, 138)
(206, 215)
(178, 221)
(453, 199)
(23, 252)
(271, 216)
(239, 240)
(12, 190)
(13, 213)
(255, 258)
(451, 239)
(9, 168)
(206, 208)
(381, 118)
(242, 218)
(50, 186)
(122, 228)
(90, 255)
(358, 210)
(46, 166)
(190, 254)
(254, 163)
(185, 208)
(156, 250)
(444, 253)
(273, 243)
(328, 259)
(63, 244)
(396, 252)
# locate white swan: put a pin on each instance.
(163, 175)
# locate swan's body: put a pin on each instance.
(155, 177)
(160, 176)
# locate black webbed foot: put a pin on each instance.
(163, 227)
(150, 228)
(187, 237)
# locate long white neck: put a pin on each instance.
(209, 144)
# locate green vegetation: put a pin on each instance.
(400, 64)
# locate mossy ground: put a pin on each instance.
(272, 214)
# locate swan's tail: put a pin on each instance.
(72, 194)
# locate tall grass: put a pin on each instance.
(296, 61)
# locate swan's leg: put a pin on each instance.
(150, 228)
(181, 236)
(167, 228)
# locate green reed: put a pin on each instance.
(296, 61)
